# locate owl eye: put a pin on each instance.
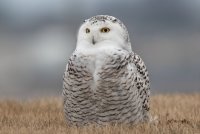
(105, 30)
(87, 30)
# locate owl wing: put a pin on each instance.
(142, 80)
(67, 84)
(70, 77)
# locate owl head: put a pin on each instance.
(103, 31)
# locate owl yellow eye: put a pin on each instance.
(87, 30)
(105, 30)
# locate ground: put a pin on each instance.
(177, 114)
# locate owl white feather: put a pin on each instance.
(105, 81)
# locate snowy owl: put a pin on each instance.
(105, 81)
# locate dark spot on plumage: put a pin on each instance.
(118, 67)
(75, 74)
(134, 57)
(135, 79)
(69, 69)
(145, 82)
(79, 84)
(122, 61)
(143, 73)
(141, 93)
(115, 20)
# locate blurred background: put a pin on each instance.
(38, 36)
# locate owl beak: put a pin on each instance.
(93, 40)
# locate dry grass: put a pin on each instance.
(178, 113)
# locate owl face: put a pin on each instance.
(103, 31)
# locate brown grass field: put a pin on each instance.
(177, 114)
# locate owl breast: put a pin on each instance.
(101, 61)
(100, 88)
